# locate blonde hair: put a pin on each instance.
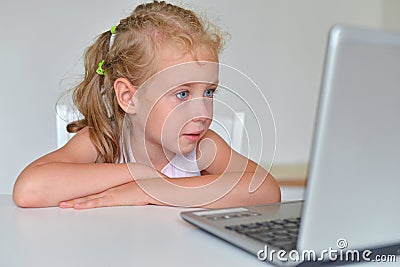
(133, 55)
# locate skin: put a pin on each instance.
(167, 122)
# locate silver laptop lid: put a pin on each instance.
(353, 190)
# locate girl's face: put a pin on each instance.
(175, 106)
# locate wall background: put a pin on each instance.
(279, 44)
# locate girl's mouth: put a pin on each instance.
(194, 136)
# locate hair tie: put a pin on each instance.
(113, 29)
(100, 69)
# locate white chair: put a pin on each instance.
(229, 127)
(64, 115)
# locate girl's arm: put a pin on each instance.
(228, 179)
(68, 173)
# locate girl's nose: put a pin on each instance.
(202, 109)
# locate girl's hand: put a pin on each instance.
(128, 194)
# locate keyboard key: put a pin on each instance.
(281, 233)
(262, 237)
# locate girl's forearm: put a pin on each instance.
(212, 191)
(47, 184)
(244, 195)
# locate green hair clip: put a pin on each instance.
(100, 69)
(113, 29)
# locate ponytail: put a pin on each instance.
(90, 98)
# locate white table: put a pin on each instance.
(117, 236)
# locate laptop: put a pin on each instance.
(350, 211)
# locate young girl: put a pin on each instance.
(154, 75)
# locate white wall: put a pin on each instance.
(279, 44)
(391, 17)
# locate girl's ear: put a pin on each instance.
(125, 91)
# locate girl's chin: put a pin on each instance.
(186, 148)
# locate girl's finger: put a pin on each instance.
(72, 202)
(65, 204)
(92, 203)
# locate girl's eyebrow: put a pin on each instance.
(192, 83)
(178, 87)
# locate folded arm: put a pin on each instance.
(67, 173)
(228, 179)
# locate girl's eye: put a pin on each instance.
(209, 93)
(182, 95)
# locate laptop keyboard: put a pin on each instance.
(281, 233)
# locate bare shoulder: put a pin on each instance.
(213, 153)
(212, 142)
(79, 149)
(82, 144)
(215, 156)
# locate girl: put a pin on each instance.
(154, 75)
